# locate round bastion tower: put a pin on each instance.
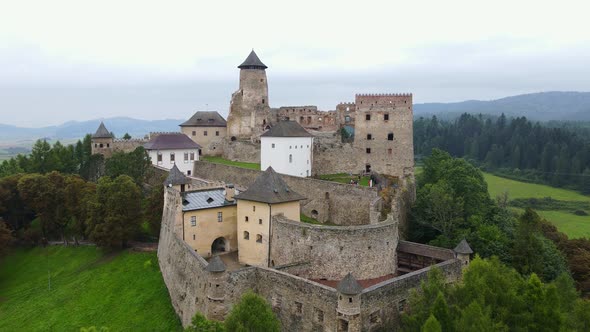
(249, 111)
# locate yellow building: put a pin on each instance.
(268, 196)
(208, 130)
(209, 221)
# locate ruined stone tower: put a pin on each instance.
(249, 112)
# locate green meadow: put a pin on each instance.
(66, 288)
(219, 160)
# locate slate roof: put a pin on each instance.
(204, 199)
(102, 132)
(171, 141)
(463, 248)
(269, 188)
(176, 177)
(349, 285)
(205, 119)
(287, 129)
(215, 265)
(252, 62)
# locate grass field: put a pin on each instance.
(345, 178)
(124, 292)
(219, 160)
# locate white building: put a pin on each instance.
(169, 149)
(287, 148)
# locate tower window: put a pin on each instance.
(216, 133)
(368, 150)
(369, 136)
(386, 116)
(390, 137)
(263, 100)
(108, 145)
(246, 235)
(260, 221)
(258, 238)
(100, 145)
(205, 133)
(261, 80)
(367, 117)
(246, 218)
(253, 208)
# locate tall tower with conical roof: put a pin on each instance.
(249, 111)
(102, 141)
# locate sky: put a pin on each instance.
(79, 60)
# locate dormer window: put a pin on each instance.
(209, 200)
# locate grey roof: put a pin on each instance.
(269, 188)
(171, 141)
(287, 129)
(102, 132)
(176, 177)
(463, 248)
(215, 265)
(204, 199)
(252, 62)
(349, 285)
(205, 119)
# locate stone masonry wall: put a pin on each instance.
(332, 201)
(368, 251)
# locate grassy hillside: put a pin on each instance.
(124, 292)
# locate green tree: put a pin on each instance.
(6, 237)
(153, 209)
(115, 213)
(473, 318)
(252, 314)
(134, 164)
(41, 159)
(201, 324)
(431, 325)
(126, 136)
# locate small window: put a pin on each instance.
(192, 156)
(217, 133)
(108, 145)
(350, 300)
(100, 145)
(260, 221)
(386, 117)
(159, 157)
(390, 137)
(246, 218)
(253, 208)
(193, 221)
(186, 156)
(295, 146)
(219, 216)
(368, 150)
(347, 119)
(205, 133)
(368, 117)
(290, 158)
(172, 157)
(258, 238)
(246, 235)
(188, 173)
(95, 145)
(263, 100)
(273, 145)
(194, 133)
(369, 137)
(194, 237)
(261, 80)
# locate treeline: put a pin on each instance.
(517, 148)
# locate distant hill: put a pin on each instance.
(543, 106)
(77, 129)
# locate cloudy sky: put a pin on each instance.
(79, 60)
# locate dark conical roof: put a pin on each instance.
(349, 285)
(215, 265)
(463, 248)
(252, 62)
(269, 188)
(287, 129)
(102, 132)
(175, 177)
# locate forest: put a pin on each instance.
(554, 153)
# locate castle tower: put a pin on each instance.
(349, 304)
(102, 141)
(177, 180)
(462, 252)
(249, 112)
(216, 289)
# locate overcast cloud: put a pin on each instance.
(79, 60)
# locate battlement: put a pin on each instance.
(131, 140)
(383, 100)
(383, 95)
(156, 133)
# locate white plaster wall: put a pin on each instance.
(300, 148)
(183, 166)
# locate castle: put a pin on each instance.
(226, 230)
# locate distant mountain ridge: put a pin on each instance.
(77, 129)
(542, 106)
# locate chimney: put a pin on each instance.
(230, 191)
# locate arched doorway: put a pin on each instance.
(219, 246)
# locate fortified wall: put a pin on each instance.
(327, 201)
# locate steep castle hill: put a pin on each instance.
(226, 230)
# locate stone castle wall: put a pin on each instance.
(328, 201)
(309, 117)
(330, 252)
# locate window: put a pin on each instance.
(188, 172)
(368, 117)
(347, 119)
(219, 216)
(100, 145)
(246, 235)
(290, 158)
(386, 116)
(193, 221)
(350, 300)
(263, 100)
(192, 156)
(246, 218)
(260, 221)
(253, 208)
(194, 237)
(205, 133)
(273, 145)
(159, 157)
(108, 145)
(194, 133)
(390, 137)
(295, 146)
(172, 157)
(217, 133)
(186, 157)
(389, 151)
(258, 238)
(369, 137)
(368, 150)
(95, 145)
(290, 146)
